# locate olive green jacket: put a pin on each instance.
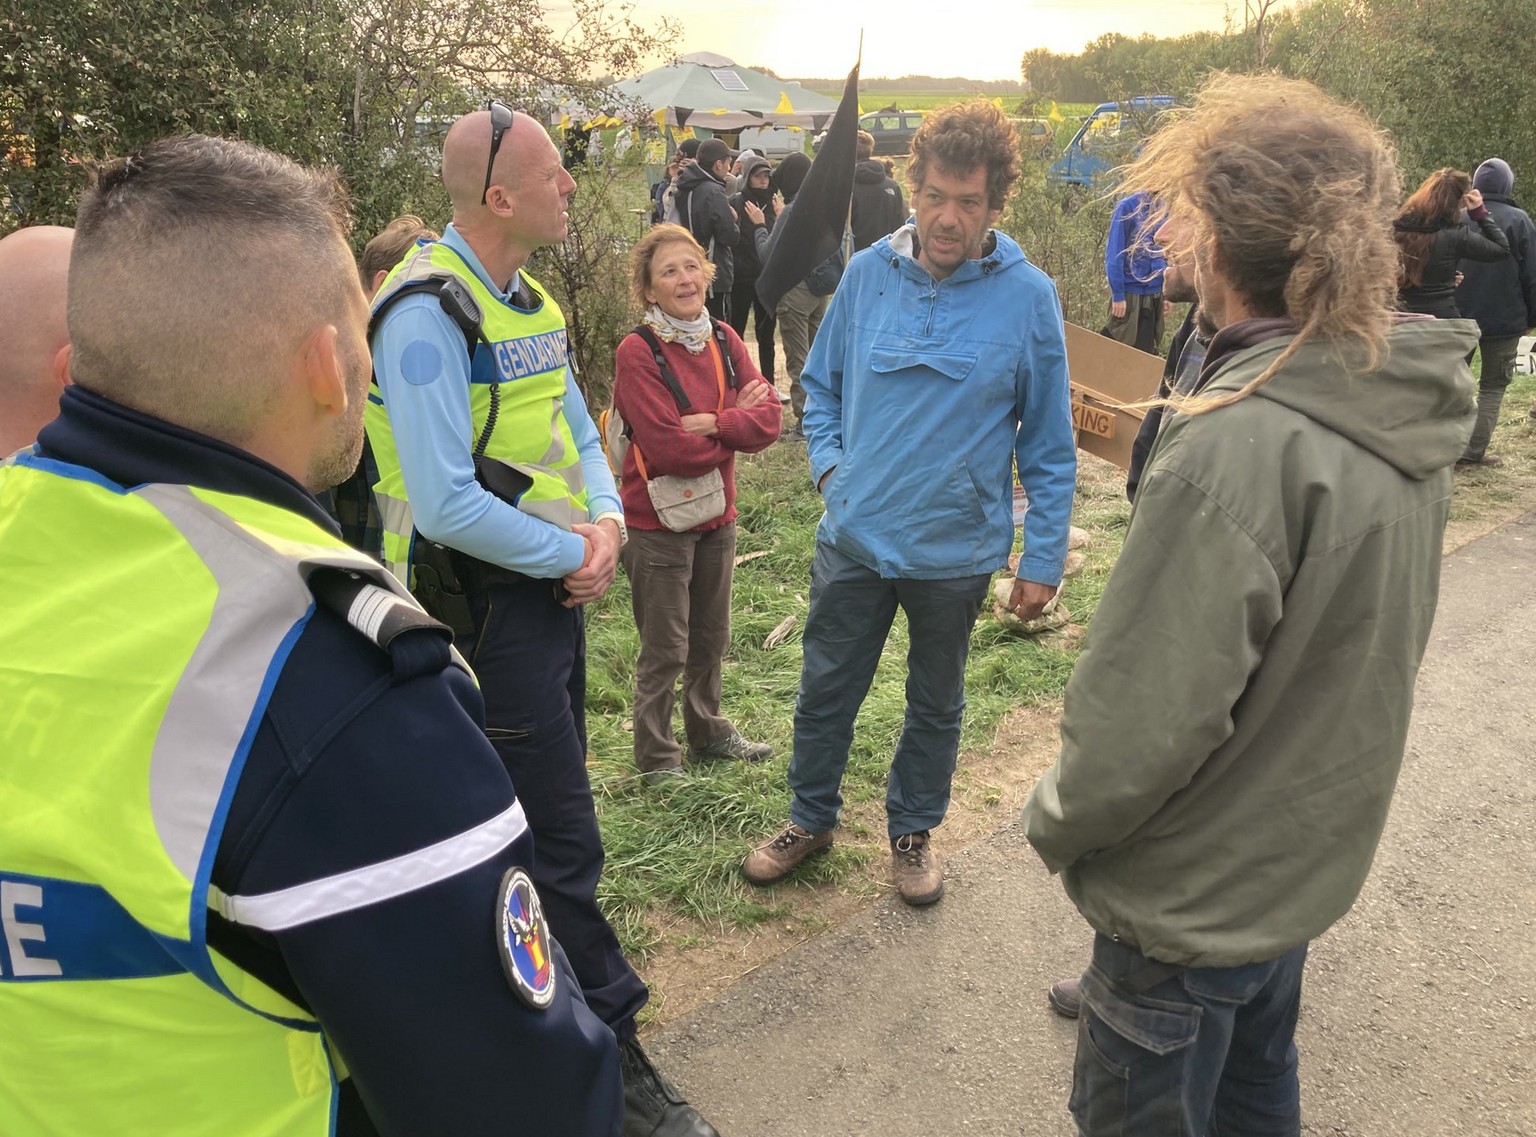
(1234, 727)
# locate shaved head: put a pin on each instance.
(525, 204)
(200, 267)
(34, 274)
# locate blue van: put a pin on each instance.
(1109, 137)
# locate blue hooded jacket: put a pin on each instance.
(920, 395)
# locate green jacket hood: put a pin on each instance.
(1415, 411)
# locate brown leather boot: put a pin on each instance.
(775, 859)
(1066, 997)
(916, 869)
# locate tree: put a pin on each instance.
(82, 82)
(356, 83)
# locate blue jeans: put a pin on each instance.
(850, 616)
(1193, 1052)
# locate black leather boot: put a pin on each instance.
(652, 1105)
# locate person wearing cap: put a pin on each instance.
(1501, 296)
(700, 206)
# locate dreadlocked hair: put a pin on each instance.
(1289, 195)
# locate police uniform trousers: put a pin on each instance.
(530, 657)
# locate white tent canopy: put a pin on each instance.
(710, 92)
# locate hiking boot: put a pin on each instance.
(652, 1105)
(1488, 461)
(919, 878)
(773, 860)
(662, 776)
(734, 747)
(1066, 997)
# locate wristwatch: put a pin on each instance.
(618, 519)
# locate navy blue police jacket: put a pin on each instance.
(362, 757)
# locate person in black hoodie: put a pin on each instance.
(757, 188)
(1432, 239)
(878, 206)
(1501, 297)
(703, 210)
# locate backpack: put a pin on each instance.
(616, 433)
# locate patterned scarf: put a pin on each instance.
(692, 334)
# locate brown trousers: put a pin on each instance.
(799, 317)
(680, 586)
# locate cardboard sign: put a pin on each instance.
(1092, 419)
(1105, 375)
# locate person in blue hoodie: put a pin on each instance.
(940, 365)
(1134, 265)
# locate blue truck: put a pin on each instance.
(1108, 137)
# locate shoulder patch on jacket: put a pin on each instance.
(376, 612)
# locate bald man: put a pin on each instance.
(34, 367)
(500, 511)
(270, 840)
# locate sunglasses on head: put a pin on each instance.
(501, 122)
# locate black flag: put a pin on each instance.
(812, 229)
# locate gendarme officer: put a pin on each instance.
(500, 511)
(252, 836)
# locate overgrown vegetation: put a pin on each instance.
(588, 272)
(365, 85)
(1445, 79)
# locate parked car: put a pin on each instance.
(892, 130)
(1109, 137)
(1036, 135)
(771, 141)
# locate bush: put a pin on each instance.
(589, 272)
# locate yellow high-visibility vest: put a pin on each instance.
(526, 353)
(144, 629)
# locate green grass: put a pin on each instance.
(674, 850)
(1489, 495)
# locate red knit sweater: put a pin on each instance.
(651, 413)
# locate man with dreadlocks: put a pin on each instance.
(1233, 730)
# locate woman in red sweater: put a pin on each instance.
(680, 581)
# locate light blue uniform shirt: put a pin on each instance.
(422, 368)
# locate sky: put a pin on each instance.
(981, 39)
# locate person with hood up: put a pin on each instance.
(941, 368)
(1501, 296)
(878, 207)
(1233, 729)
(757, 190)
(701, 207)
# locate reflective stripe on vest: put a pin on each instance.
(144, 630)
(528, 354)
